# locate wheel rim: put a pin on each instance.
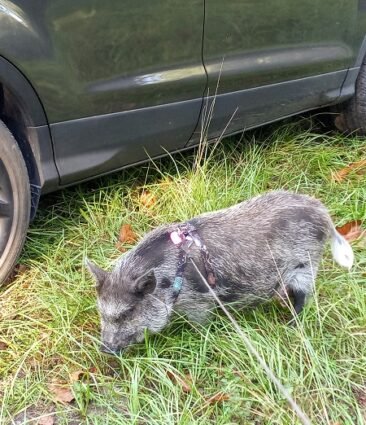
(6, 211)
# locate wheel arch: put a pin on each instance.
(22, 112)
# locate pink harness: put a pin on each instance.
(183, 238)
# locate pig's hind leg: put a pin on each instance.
(297, 298)
(300, 284)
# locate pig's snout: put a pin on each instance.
(113, 351)
(115, 343)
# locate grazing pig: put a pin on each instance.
(269, 245)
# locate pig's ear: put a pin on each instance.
(145, 284)
(99, 274)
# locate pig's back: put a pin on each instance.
(255, 243)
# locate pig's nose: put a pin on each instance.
(108, 350)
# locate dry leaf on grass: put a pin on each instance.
(126, 234)
(147, 199)
(352, 230)
(217, 398)
(61, 393)
(358, 168)
(185, 384)
(46, 420)
(77, 375)
(3, 346)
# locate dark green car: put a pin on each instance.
(88, 87)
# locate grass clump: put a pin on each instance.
(49, 325)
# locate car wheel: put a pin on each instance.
(15, 202)
(352, 116)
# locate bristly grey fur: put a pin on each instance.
(267, 245)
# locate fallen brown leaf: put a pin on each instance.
(358, 167)
(76, 376)
(186, 386)
(352, 230)
(61, 393)
(3, 346)
(217, 398)
(147, 199)
(126, 234)
(46, 420)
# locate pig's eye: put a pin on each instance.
(125, 315)
(121, 317)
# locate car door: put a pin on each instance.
(120, 80)
(269, 59)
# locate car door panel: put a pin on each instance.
(100, 59)
(109, 142)
(234, 112)
(250, 44)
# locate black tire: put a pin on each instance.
(352, 116)
(15, 202)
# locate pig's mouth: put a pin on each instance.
(115, 350)
(110, 351)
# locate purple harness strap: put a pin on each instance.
(184, 237)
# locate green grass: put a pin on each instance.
(50, 324)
